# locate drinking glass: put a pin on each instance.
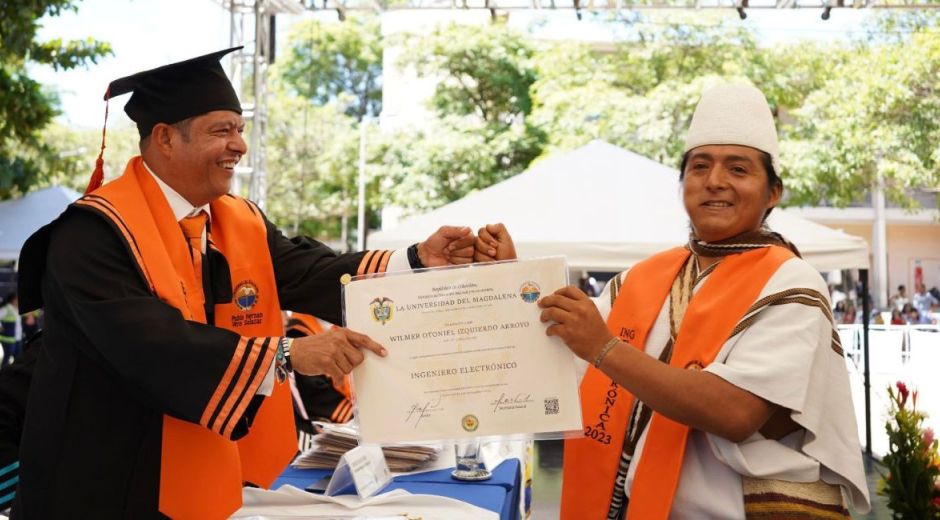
(469, 461)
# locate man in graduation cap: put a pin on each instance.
(162, 387)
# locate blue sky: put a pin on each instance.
(150, 33)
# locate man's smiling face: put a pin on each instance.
(204, 163)
(725, 191)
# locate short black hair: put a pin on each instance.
(773, 179)
(183, 127)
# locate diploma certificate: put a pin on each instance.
(467, 354)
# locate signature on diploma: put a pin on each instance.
(504, 402)
(420, 411)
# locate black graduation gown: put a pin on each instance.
(116, 358)
(14, 390)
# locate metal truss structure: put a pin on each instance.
(342, 6)
(252, 25)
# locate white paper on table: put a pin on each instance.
(289, 502)
(468, 355)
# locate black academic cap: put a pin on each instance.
(177, 91)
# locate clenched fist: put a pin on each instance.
(449, 245)
(494, 243)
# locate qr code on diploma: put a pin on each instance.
(551, 406)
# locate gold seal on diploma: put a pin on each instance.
(470, 422)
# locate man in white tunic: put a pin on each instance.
(718, 389)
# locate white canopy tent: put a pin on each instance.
(605, 208)
(20, 218)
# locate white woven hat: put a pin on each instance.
(734, 114)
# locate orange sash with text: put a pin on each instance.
(591, 462)
(201, 470)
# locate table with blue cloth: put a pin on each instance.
(499, 494)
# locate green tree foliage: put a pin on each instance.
(661, 49)
(897, 26)
(77, 151)
(848, 112)
(485, 70)
(876, 116)
(480, 135)
(453, 157)
(483, 101)
(328, 82)
(25, 106)
(306, 194)
(329, 61)
(642, 94)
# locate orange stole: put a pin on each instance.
(590, 464)
(202, 472)
(271, 442)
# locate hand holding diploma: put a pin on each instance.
(338, 351)
(575, 319)
(334, 353)
(573, 316)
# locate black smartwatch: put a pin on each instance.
(413, 259)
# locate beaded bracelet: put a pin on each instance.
(611, 343)
(282, 366)
(286, 344)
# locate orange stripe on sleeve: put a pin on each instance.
(270, 349)
(365, 261)
(383, 265)
(224, 384)
(374, 263)
(244, 372)
(339, 412)
(347, 415)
